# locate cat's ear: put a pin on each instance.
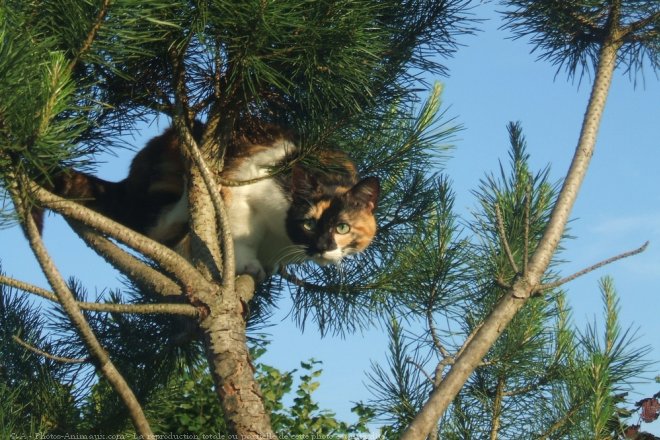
(302, 182)
(366, 192)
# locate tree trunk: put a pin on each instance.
(231, 368)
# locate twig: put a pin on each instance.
(434, 336)
(420, 368)
(565, 280)
(33, 349)
(503, 238)
(528, 205)
(165, 308)
(91, 35)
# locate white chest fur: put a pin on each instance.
(257, 213)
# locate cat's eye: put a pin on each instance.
(309, 224)
(343, 228)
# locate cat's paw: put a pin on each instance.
(252, 268)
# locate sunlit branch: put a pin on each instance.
(598, 265)
(167, 309)
(167, 259)
(228, 267)
(66, 298)
(434, 336)
(143, 275)
(528, 206)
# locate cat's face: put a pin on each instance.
(333, 222)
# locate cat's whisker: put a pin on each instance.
(290, 254)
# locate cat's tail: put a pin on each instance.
(102, 196)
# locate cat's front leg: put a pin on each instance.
(247, 262)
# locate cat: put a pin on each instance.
(296, 214)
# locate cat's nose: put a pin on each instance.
(325, 243)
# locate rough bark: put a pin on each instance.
(231, 368)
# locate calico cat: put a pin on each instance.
(290, 216)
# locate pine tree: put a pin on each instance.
(544, 377)
(78, 74)
(577, 36)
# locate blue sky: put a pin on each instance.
(492, 80)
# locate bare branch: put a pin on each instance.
(167, 259)
(33, 349)
(504, 311)
(146, 277)
(503, 238)
(67, 300)
(166, 308)
(434, 336)
(598, 265)
(227, 243)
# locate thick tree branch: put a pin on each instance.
(64, 360)
(202, 190)
(525, 285)
(230, 365)
(224, 327)
(65, 297)
(165, 309)
(167, 259)
(143, 275)
(222, 219)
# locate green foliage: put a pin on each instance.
(401, 150)
(570, 34)
(543, 378)
(38, 395)
(34, 393)
(189, 404)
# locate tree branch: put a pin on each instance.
(516, 297)
(33, 349)
(164, 308)
(67, 300)
(91, 35)
(421, 369)
(528, 206)
(434, 336)
(552, 285)
(640, 24)
(222, 219)
(144, 276)
(504, 239)
(167, 259)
